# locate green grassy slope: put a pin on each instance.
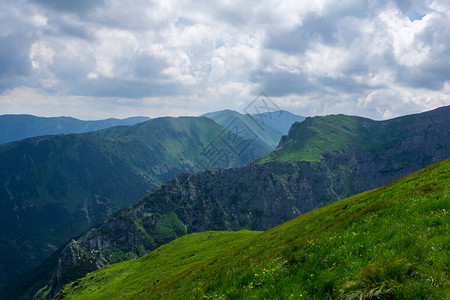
(311, 138)
(388, 243)
(172, 258)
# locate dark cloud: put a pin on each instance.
(283, 83)
(65, 29)
(314, 28)
(347, 85)
(144, 66)
(14, 56)
(71, 6)
(432, 76)
(320, 27)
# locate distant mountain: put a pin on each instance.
(263, 128)
(389, 243)
(339, 158)
(53, 188)
(280, 120)
(17, 127)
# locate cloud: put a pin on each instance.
(377, 59)
(279, 84)
(14, 56)
(79, 6)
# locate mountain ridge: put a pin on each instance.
(15, 127)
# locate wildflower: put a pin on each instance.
(256, 274)
(354, 233)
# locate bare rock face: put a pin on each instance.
(403, 145)
(75, 262)
(256, 197)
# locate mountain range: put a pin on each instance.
(265, 128)
(53, 188)
(302, 174)
(17, 127)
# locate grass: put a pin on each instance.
(317, 137)
(388, 243)
(310, 139)
(159, 265)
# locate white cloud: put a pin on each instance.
(41, 55)
(92, 75)
(39, 21)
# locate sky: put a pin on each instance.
(94, 59)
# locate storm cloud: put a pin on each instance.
(95, 59)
